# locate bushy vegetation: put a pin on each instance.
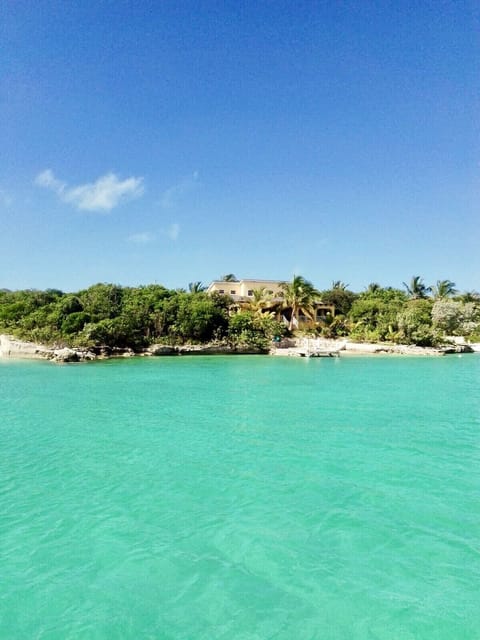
(135, 317)
(420, 315)
(114, 316)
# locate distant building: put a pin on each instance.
(241, 292)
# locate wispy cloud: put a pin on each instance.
(104, 194)
(144, 237)
(172, 195)
(49, 181)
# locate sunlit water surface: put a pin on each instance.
(241, 498)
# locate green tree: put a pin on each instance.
(415, 323)
(109, 332)
(248, 329)
(338, 284)
(469, 296)
(196, 287)
(447, 315)
(454, 317)
(74, 322)
(299, 296)
(417, 288)
(373, 315)
(261, 302)
(443, 289)
(102, 301)
(470, 325)
(200, 318)
(342, 299)
(335, 326)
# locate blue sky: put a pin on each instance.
(176, 141)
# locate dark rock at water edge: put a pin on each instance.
(72, 355)
(161, 350)
(458, 348)
(201, 349)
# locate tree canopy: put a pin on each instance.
(299, 296)
(135, 317)
(417, 288)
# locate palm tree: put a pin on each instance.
(260, 301)
(417, 288)
(229, 277)
(444, 289)
(338, 284)
(196, 287)
(469, 296)
(300, 296)
(374, 287)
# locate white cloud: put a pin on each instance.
(102, 195)
(49, 181)
(173, 231)
(173, 194)
(144, 237)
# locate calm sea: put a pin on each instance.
(241, 498)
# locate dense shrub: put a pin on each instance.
(115, 316)
(374, 315)
(415, 324)
(258, 330)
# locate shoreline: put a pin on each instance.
(12, 348)
(308, 347)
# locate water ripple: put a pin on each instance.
(240, 499)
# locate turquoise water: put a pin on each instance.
(241, 498)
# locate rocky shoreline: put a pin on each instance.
(306, 347)
(13, 348)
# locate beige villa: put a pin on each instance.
(241, 291)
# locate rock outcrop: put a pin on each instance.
(201, 349)
(161, 350)
(218, 349)
(72, 355)
(11, 347)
